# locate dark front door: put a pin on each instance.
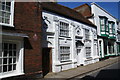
(46, 60)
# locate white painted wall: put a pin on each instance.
(98, 11)
(51, 34)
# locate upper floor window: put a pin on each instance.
(87, 34)
(111, 27)
(104, 24)
(64, 29)
(6, 12)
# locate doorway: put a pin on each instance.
(79, 46)
(46, 60)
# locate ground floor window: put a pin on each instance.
(11, 58)
(8, 57)
(88, 52)
(64, 53)
(111, 47)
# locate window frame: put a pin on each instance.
(88, 52)
(87, 34)
(11, 16)
(62, 53)
(111, 27)
(62, 28)
(105, 24)
(19, 64)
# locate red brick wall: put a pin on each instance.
(27, 20)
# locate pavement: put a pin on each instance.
(81, 70)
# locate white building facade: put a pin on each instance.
(106, 30)
(72, 43)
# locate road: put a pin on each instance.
(111, 72)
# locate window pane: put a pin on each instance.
(5, 68)
(14, 60)
(1, 14)
(10, 60)
(7, 21)
(5, 53)
(0, 6)
(0, 19)
(7, 15)
(8, 3)
(14, 53)
(3, 2)
(14, 46)
(8, 8)
(3, 6)
(0, 61)
(10, 53)
(14, 67)
(0, 69)
(3, 20)
(10, 46)
(9, 67)
(6, 46)
(4, 60)
(0, 52)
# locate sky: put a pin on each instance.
(111, 7)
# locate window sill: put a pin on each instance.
(64, 62)
(8, 25)
(88, 59)
(64, 37)
(10, 75)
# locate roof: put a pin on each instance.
(67, 12)
(84, 9)
(82, 6)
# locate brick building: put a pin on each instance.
(20, 31)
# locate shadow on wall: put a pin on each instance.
(107, 74)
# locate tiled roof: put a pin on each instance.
(67, 12)
(84, 9)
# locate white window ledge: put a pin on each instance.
(88, 59)
(65, 63)
(8, 25)
(10, 75)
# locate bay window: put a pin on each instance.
(103, 24)
(111, 27)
